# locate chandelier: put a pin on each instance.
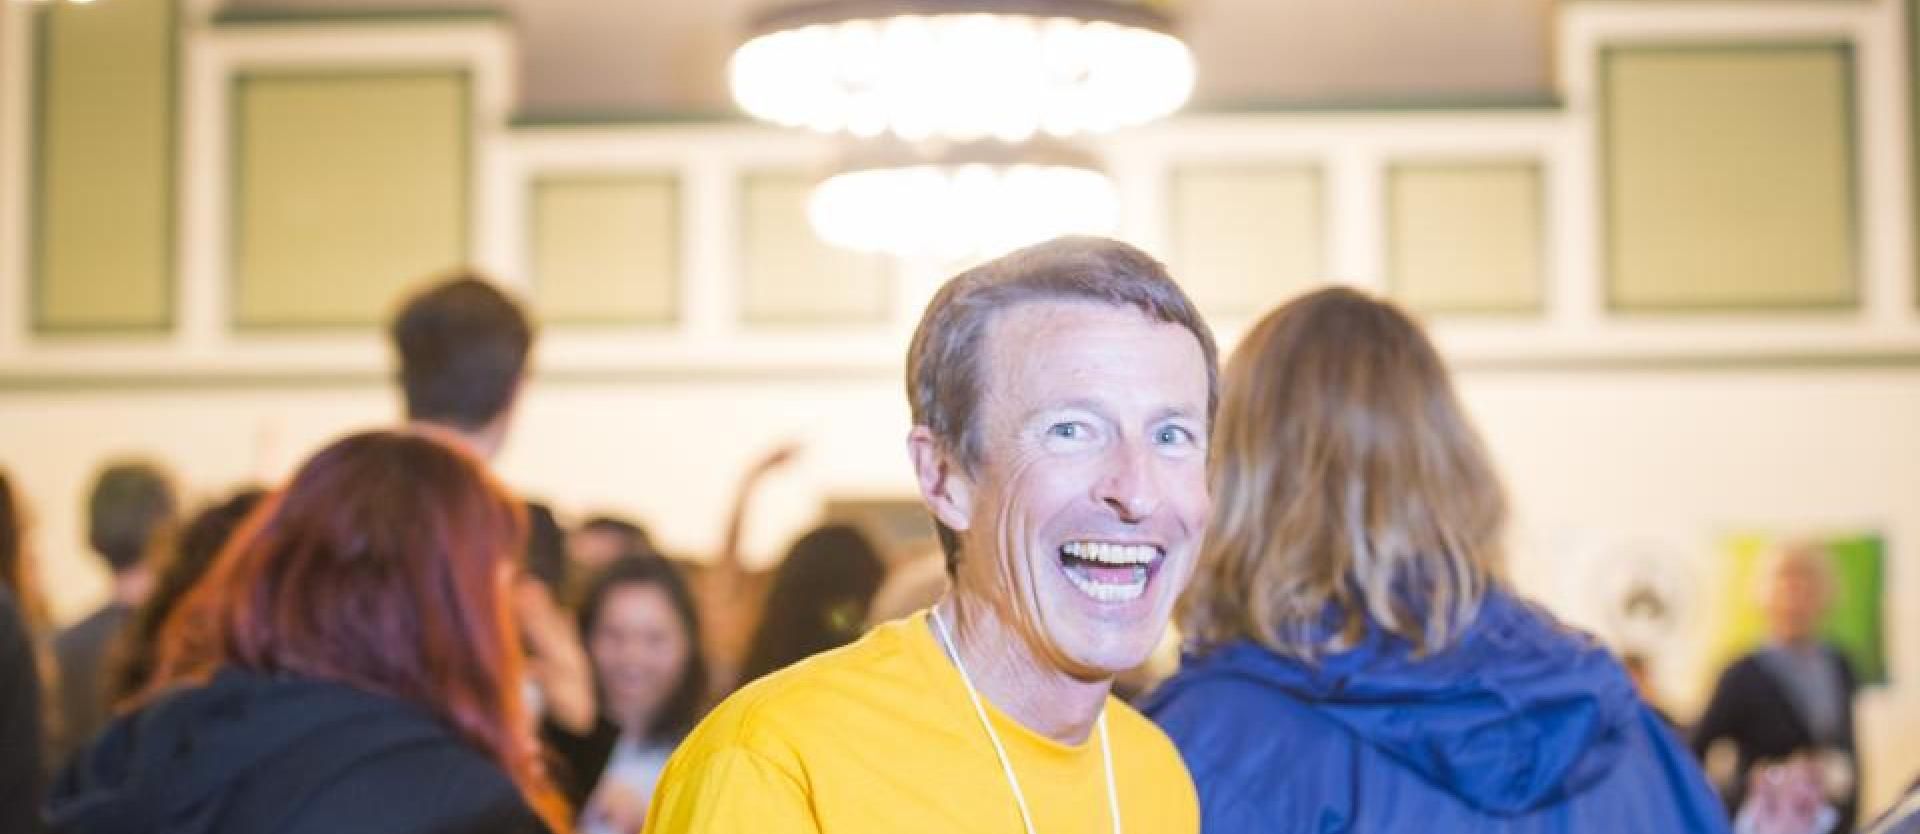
(968, 201)
(962, 69)
(959, 111)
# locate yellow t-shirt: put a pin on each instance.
(879, 736)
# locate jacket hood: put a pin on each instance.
(172, 766)
(1519, 713)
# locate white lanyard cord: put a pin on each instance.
(1006, 762)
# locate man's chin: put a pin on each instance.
(1109, 660)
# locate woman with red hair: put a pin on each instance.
(349, 664)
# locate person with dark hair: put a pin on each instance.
(129, 515)
(22, 710)
(20, 723)
(818, 600)
(463, 347)
(1061, 398)
(601, 539)
(200, 540)
(17, 569)
(349, 664)
(1356, 661)
(638, 622)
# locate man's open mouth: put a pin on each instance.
(1110, 571)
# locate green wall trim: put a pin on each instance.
(41, 24)
(676, 289)
(302, 16)
(1838, 362)
(1542, 207)
(1913, 138)
(888, 266)
(1542, 102)
(235, 153)
(1175, 215)
(560, 120)
(1605, 164)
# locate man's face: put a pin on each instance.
(1090, 498)
(1797, 599)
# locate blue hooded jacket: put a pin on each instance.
(1521, 726)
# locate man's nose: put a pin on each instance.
(1129, 485)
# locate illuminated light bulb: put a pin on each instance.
(1067, 68)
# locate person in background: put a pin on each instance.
(1061, 398)
(22, 711)
(639, 625)
(601, 539)
(1640, 671)
(1793, 697)
(729, 596)
(200, 540)
(819, 599)
(463, 348)
(130, 515)
(1787, 798)
(911, 585)
(351, 664)
(1357, 663)
(18, 570)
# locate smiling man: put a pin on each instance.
(1061, 399)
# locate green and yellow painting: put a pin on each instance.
(1854, 620)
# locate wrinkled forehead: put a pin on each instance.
(1079, 350)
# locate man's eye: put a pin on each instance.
(1066, 431)
(1174, 434)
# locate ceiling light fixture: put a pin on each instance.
(962, 69)
(964, 202)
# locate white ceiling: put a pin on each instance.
(639, 57)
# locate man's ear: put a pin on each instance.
(944, 485)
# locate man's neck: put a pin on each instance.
(483, 442)
(1005, 669)
(1801, 643)
(130, 587)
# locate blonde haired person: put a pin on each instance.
(1357, 663)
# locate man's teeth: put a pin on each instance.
(1127, 563)
(1103, 592)
(1112, 554)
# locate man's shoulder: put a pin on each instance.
(830, 685)
(1137, 734)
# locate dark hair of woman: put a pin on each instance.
(818, 600)
(686, 703)
(193, 552)
(13, 564)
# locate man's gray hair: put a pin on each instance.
(944, 382)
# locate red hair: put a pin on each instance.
(382, 565)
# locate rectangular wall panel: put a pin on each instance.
(103, 218)
(1245, 238)
(606, 249)
(788, 275)
(349, 188)
(1729, 176)
(1465, 237)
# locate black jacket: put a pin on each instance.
(19, 721)
(248, 753)
(1752, 709)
